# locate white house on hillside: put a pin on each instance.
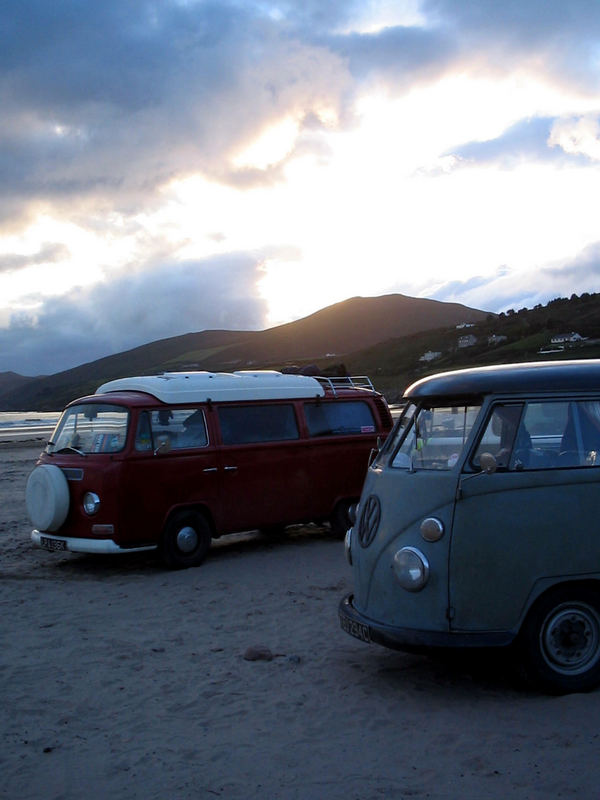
(564, 338)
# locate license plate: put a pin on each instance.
(52, 544)
(357, 629)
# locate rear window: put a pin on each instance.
(257, 423)
(339, 418)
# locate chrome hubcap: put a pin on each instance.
(187, 539)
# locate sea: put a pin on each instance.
(16, 425)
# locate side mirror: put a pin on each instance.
(488, 464)
(163, 445)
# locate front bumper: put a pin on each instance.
(412, 640)
(48, 541)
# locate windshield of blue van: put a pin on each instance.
(432, 436)
(90, 428)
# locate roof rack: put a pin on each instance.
(346, 382)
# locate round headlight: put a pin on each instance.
(432, 529)
(348, 546)
(91, 503)
(411, 569)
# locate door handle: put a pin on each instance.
(211, 469)
(230, 469)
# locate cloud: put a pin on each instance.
(579, 136)
(49, 252)
(160, 301)
(109, 101)
(508, 288)
(528, 140)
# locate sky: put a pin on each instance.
(169, 166)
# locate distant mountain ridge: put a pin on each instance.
(346, 327)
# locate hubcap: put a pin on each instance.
(187, 539)
(571, 638)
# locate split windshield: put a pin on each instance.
(90, 428)
(431, 436)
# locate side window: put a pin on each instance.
(257, 423)
(178, 428)
(339, 418)
(580, 442)
(543, 435)
(500, 436)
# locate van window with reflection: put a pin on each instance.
(434, 436)
(171, 428)
(91, 428)
(549, 435)
(339, 418)
(257, 423)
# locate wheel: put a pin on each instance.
(340, 520)
(47, 497)
(185, 540)
(560, 641)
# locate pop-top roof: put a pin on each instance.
(199, 387)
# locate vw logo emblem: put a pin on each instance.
(369, 521)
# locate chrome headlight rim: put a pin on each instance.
(411, 568)
(91, 503)
(348, 546)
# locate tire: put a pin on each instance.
(560, 641)
(185, 540)
(47, 497)
(340, 520)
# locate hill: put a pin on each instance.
(332, 332)
(514, 336)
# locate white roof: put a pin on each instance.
(199, 387)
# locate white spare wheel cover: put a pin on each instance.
(47, 497)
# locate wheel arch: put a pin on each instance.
(547, 587)
(198, 508)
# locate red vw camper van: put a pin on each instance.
(168, 462)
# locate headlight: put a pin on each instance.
(91, 503)
(348, 546)
(411, 569)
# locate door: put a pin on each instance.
(174, 464)
(533, 519)
(263, 466)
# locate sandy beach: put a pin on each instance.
(123, 680)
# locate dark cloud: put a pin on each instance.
(109, 100)
(553, 37)
(158, 302)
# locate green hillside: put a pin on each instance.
(386, 338)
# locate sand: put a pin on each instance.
(123, 680)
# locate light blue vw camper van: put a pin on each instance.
(479, 521)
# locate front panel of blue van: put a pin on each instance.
(399, 545)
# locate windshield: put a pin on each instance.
(90, 428)
(432, 436)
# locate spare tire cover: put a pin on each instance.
(47, 497)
